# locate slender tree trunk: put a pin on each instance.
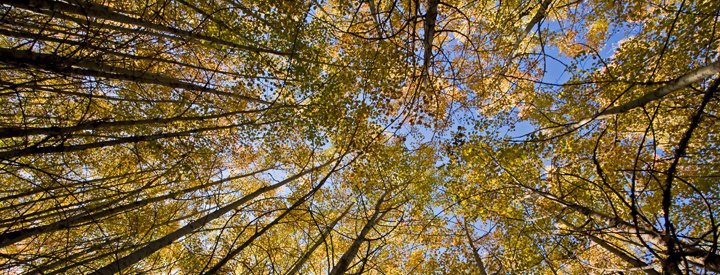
(320, 240)
(70, 90)
(539, 15)
(68, 65)
(50, 8)
(694, 254)
(344, 263)
(236, 251)
(98, 213)
(698, 256)
(152, 247)
(70, 264)
(80, 147)
(430, 20)
(116, 52)
(9, 132)
(672, 262)
(632, 260)
(478, 260)
(677, 84)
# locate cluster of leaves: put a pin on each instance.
(400, 137)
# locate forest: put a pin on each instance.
(359, 137)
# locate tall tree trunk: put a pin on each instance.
(430, 20)
(152, 247)
(677, 84)
(51, 8)
(68, 65)
(115, 52)
(632, 260)
(298, 265)
(123, 140)
(698, 256)
(539, 15)
(234, 252)
(344, 263)
(9, 132)
(99, 213)
(672, 262)
(478, 260)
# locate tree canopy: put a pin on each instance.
(349, 137)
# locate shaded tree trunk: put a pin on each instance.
(344, 263)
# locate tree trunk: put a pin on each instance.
(68, 65)
(635, 262)
(234, 252)
(677, 84)
(344, 263)
(301, 262)
(80, 147)
(134, 257)
(19, 235)
(51, 8)
(9, 132)
(478, 260)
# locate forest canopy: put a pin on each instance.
(349, 137)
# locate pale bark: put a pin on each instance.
(150, 248)
(234, 252)
(694, 254)
(99, 213)
(320, 240)
(539, 15)
(677, 84)
(632, 260)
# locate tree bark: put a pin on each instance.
(478, 260)
(344, 263)
(635, 262)
(50, 8)
(80, 147)
(234, 252)
(9, 132)
(86, 67)
(430, 20)
(677, 84)
(150, 248)
(323, 235)
(672, 262)
(695, 255)
(97, 213)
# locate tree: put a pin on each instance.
(482, 137)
